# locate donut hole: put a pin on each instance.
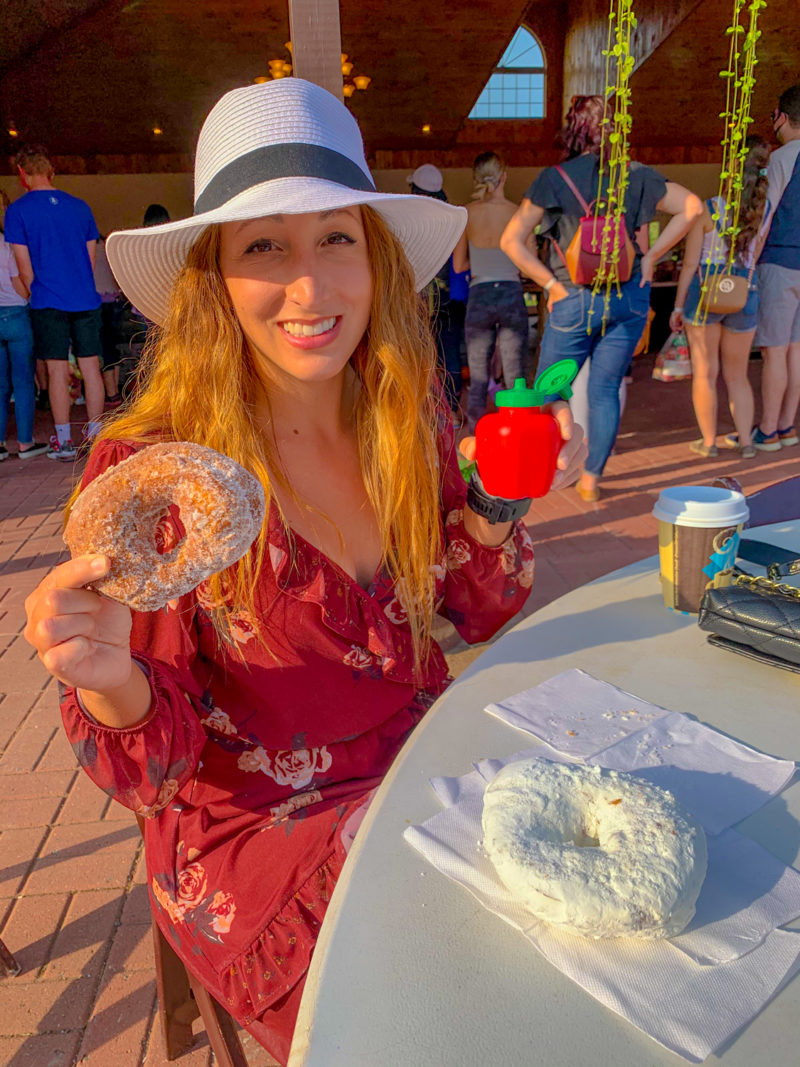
(169, 533)
(583, 829)
(587, 840)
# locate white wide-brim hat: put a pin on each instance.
(283, 147)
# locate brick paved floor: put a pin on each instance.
(73, 906)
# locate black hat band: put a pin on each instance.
(280, 161)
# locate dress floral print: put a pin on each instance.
(253, 759)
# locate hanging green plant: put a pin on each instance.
(614, 161)
(739, 76)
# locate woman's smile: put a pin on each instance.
(311, 334)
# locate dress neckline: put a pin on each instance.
(313, 553)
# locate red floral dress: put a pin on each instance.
(247, 773)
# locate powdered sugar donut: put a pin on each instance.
(221, 507)
(597, 853)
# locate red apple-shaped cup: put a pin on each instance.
(517, 446)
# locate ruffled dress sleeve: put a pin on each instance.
(145, 766)
(484, 586)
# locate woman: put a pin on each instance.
(723, 340)
(446, 313)
(17, 363)
(576, 326)
(111, 304)
(496, 314)
(251, 721)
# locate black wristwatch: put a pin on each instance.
(494, 508)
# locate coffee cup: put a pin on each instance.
(698, 535)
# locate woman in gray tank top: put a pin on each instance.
(496, 313)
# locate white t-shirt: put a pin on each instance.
(9, 297)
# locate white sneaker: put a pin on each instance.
(64, 452)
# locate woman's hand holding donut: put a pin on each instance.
(83, 639)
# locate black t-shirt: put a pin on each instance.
(563, 211)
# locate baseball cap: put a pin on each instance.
(427, 177)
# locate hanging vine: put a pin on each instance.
(740, 80)
(614, 162)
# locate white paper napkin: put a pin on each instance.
(747, 894)
(656, 985)
(576, 713)
(718, 779)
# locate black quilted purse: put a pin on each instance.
(757, 617)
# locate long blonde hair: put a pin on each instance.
(199, 383)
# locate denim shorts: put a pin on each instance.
(737, 322)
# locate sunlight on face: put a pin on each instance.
(301, 288)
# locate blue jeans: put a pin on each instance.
(566, 337)
(17, 367)
(496, 315)
(448, 329)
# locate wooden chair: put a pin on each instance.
(182, 998)
(8, 965)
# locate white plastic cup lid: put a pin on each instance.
(702, 506)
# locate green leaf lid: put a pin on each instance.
(554, 381)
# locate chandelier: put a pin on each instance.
(282, 68)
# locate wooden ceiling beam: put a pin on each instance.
(317, 43)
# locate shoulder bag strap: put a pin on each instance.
(779, 562)
(574, 188)
(557, 247)
(576, 193)
(712, 206)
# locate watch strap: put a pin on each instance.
(494, 508)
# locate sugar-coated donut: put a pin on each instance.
(594, 852)
(221, 507)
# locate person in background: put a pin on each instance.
(778, 333)
(133, 328)
(16, 352)
(576, 326)
(53, 236)
(155, 215)
(110, 313)
(723, 340)
(446, 318)
(496, 312)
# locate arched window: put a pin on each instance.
(515, 89)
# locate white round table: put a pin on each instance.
(411, 971)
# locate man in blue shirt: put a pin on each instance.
(53, 236)
(778, 333)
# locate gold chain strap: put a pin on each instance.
(768, 585)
